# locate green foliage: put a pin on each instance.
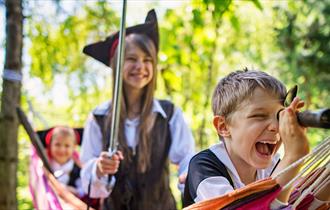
(56, 56)
(23, 194)
(210, 44)
(304, 36)
(206, 37)
(56, 53)
(200, 42)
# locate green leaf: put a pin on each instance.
(257, 4)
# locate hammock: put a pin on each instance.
(47, 193)
(260, 194)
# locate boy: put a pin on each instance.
(246, 106)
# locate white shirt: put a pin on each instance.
(181, 150)
(214, 186)
(62, 174)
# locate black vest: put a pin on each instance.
(203, 165)
(74, 175)
(149, 190)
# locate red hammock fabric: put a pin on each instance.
(224, 200)
(262, 202)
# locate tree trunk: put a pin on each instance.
(10, 99)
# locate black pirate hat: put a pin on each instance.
(46, 135)
(104, 50)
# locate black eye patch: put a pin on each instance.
(290, 95)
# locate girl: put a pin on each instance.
(151, 131)
(60, 143)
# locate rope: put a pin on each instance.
(322, 184)
(322, 155)
(317, 182)
(12, 75)
(316, 150)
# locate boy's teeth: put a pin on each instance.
(266, 142)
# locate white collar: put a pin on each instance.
(156, 107)
(63, 170)
(66, 167)
(221, 152)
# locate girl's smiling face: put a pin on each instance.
(138, 67)
(62, 148)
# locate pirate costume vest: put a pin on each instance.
(74, 175)
(149, 190)
(207, 165)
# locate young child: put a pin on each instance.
(152, 133)
(61, 142)
(252, 123)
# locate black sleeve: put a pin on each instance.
(203, 165)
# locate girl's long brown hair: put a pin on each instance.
(147, 118)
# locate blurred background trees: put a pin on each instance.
(10, 98)
(201, 41)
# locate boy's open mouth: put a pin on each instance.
(266, 148)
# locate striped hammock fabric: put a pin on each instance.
(47, 193)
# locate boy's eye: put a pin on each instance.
(130, 59)
(258, 116)
(147, 60)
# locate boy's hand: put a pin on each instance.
(106, 165)
(292, 134)
(295, 144)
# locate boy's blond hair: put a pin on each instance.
(233, 89)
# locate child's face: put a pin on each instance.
(138, 68)
(62, 148)
(253, 131)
